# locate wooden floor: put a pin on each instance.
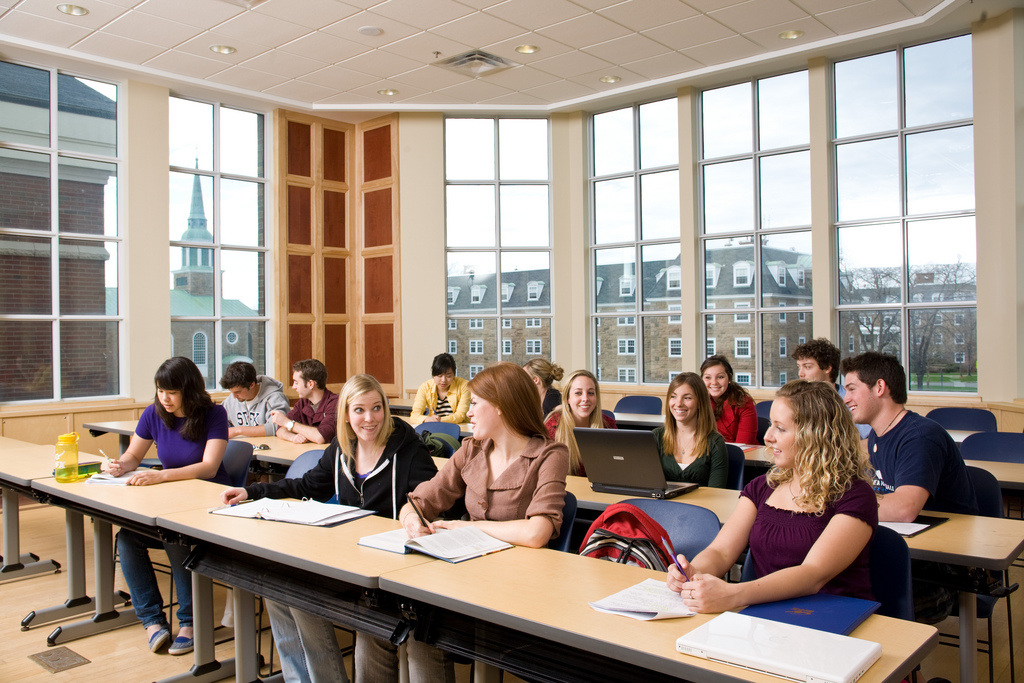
(122, 655)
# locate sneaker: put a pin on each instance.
(159, 639)
(181, 646)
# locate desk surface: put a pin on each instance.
(720, 501)
(641, 420)
(546, 593)
(1010, 475)
(465, 430)
(123, 427)
(280, 451)
(19, 465)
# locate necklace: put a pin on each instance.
(874, 449)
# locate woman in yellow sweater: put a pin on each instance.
(442, 398)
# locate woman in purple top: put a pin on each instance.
(807, 522)
(191, 434)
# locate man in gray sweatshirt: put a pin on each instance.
(252, 399)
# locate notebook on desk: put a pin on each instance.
(793, 652)
(625, 462)
(821, 611)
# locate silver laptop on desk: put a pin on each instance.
(772, 647)
(625, 462)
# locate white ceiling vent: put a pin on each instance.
(475, 63)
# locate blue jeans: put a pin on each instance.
(137, 569)
(377, 661)
(307, 646)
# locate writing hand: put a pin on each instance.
(146, 477)
(233, 496)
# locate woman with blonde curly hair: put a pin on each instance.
(808, 521)
(581, 399)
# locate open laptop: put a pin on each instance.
(625, 462)
(794, 652)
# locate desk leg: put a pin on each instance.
(206, 668)
(106, 618)
(968, 637)
(485, 673)
(18, 565)
(246, 664)
(122, 442)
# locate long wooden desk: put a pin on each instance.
(279, 451)
(123, 428)
(638, 420)
(720, 501)
(20, 463)
(527, 612)
(1010, 475)
(465, 430)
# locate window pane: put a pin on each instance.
(729, 273)
(616, 361)
(26, 360)
(477, 347)
(191, 281)
(940, 171)
(615, 284)
(471, 286)
(191, 204)
(86, 116)
(867, 178)
(469, 149)
(942, 257)
(938, 81)
(26, 117)
(870, 330)
(242, 278)
(943, 349)
(661, 276)
(613, 142)
(470, 215)
(783, 111)
(778, 339)
(88, 277)
(241, 142)
(523, 149)
(659, 205)
(729, 197)
(244, 340)
(726, 121)
(659, 134)
(870, 264)
(786, 269)
(614, 211)
(866, 95)
(786, 190)
(526, 277)
(241, 213)
(195, 340)
(524, 216)
(88, 358)
(662, 350)
(87, 196)
(25, 277)
(26, 176)
(191, 134)
(521, 338)
(734, 341)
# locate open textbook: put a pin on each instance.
(647, 600)
(451, 545)
(309, 512)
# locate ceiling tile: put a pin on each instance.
(560, 90)
(422, 46)
(308, 13)
(122, 3)
(249, 79)
(533, 14)
(431, 78)
(571, 64)
(202, 13)
(475, 90)
(689, 32)
(593, 79)
(297, 90)
(757, 14)
(583, 31)
(818, 6)
(516, 98)
(262, 29)
(119, 48)
(151, 29)
(594, 5)
(711, 5)
(99, 14)
(324, 46)
(186, 64)
(381, 64)
(521, 78)
(434, 99)
(769, 37)
(866, 15)
(420, 13)
(200, 45)
(507, 48)
(920, 7)
(478, 29)
(40, 29)
(663, 65)
(347, 98)
(338, 78)
(284, 64)
(641, 15)
(481, 4)
(727, 50)
(349, 29)
(405, 91)
(631, 47)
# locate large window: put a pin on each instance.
(636, 273)
(218, 255)
(60, 240)
(904, 154)
(498, 239)
(755, 183)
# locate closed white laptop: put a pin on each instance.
(793, 652)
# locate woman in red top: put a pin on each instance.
(735, 416)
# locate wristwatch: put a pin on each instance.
(290, 426)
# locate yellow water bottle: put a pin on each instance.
(66, 467)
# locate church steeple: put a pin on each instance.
(196, 230)
(196, 273)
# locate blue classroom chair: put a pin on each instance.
(563, 542)
(645, 405)
(689, 527)
(764, 409)
(967, 419)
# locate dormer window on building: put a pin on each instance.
(711, 273)
(506, 291)
(674, 277)
(533, 290)
(598, 281)
(453, 295)
(798, 277)
(741, 272)
(476, 293)
(626, 285)
(780, 274)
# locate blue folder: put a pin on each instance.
(824, 612)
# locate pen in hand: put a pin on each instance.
(416, 509)
(675, 560)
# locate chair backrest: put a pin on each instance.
(970, 419)
(237, 456)
(736, 464)
(691, 528)
(646, 405)
(563, 541)
(995, 446)
(608, 413)
(304, 463)
(450, 428)
(763, 423)
(987, 491)
(764, 408)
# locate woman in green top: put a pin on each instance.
(691, 448)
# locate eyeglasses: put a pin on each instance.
(261, 447)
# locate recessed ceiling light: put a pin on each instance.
(223, 49)
(791, 35)
(73, 10)
(387, 92)
(371, 30)
(609, 79)
(527, 49)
